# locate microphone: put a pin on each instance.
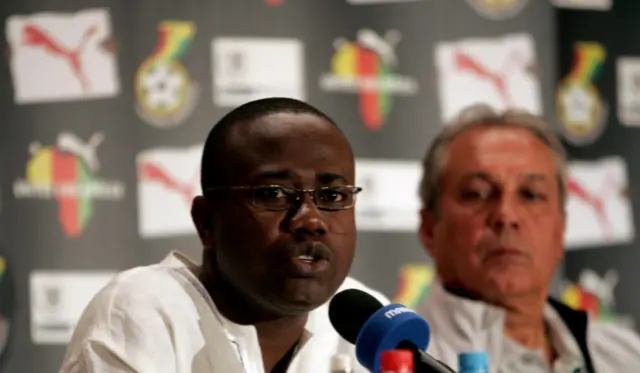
(361, 319)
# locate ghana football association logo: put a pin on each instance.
(581, 110)
(6, 305)
(165, 92)
(69, 173)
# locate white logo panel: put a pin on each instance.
(389, 200)
(62, 57)
(598, 208)
(58, 299)
(500, 72)
(168, 180)
(247, 69)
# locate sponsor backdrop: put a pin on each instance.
(106, 106)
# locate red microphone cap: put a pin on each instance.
(396, 361)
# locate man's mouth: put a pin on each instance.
(309, 259)
(308, 266)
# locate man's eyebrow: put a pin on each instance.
(477, 175)
(535, 177)
(284, 174)
(329, 177)
(273, 174)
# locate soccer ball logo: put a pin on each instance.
(164, 89)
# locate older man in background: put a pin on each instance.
(493, 219)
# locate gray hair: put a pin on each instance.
(482, 115)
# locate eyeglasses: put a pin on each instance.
(278, 198)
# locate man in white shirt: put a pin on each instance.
(277, 225)
(493, 220)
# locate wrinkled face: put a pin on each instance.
(289, 261)
(499, 228)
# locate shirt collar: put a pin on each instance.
(470, 316)
(468, 323)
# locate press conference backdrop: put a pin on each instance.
(106, 105)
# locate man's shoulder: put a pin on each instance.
(613, 332)
(141, 306)
(144, 277)
(352, 283)
(145, 286)
(613, 345)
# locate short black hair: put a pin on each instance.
(218, 136)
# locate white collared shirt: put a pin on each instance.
(160, 319)
(462, 325)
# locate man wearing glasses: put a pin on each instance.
(277, 225)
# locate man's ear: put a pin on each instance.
(201, 216)
(426, 230)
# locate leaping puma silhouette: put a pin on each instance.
(152, 172)
(465, 62)
(35, 36)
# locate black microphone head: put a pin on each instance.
(349, 310)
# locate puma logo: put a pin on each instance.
(34, 36)
(596, 200)
(70, 143)
(382, 46)
(151, 172)
(467, 63)
(601, 286)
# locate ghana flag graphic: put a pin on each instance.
(594, 294)
(580, 299)
(588, 61)
(366, 67)
(415, 283)
(67, 172)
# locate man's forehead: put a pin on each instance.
(492, 136)
(280, 126)
(288, 144)
(499, 152)
(289, 172)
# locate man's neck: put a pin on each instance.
(525, 324)
(277, 338)
(276, 335)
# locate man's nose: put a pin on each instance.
(307, 219)
(505, 214)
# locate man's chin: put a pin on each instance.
(509, 285)
(297, 299)
(295, 296)
(294, 306)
